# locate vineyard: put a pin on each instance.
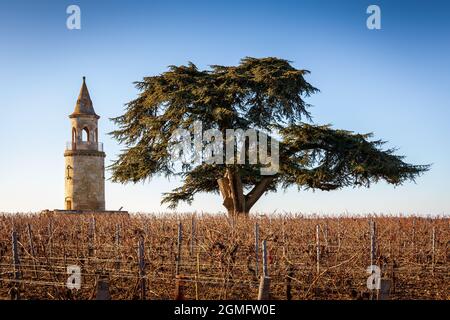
(203, 256)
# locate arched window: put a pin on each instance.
(85, 135)
(74, 135)
(96, 134)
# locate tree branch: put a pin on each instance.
(258, 191)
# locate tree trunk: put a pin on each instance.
(232, 191)
(225, 191)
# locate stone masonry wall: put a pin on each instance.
(85, 180)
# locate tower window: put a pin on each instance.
(85, 135)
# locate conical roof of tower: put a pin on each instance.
(84, 103)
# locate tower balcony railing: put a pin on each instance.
(84, 145)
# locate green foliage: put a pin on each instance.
(264, 94)
(320, 157)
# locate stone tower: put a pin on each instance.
(85, 159)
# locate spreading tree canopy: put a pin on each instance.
(266, 95)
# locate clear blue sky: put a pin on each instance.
(393, 82)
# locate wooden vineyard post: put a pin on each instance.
(117, 247)
(264, 288)
(385, 289)
(325, 235)
(50, 239)
(265, 269)
(77, 242)
(192, 235)
(373, 248)
(339, 235)
(91, 238)
(398, 237)
(413, 238)
(94, 236)
(390, 242)
(32, 252)
(433, 249)
(15, 294)
(141, 267)
(16, 261)
(197, 276)
(264, 285)
(289, 275)
(283, 235)
(373, 242)
(256, 248)
(179, 286)
(338, 240)
(179, 241)
(103, 288)
(317, 249)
